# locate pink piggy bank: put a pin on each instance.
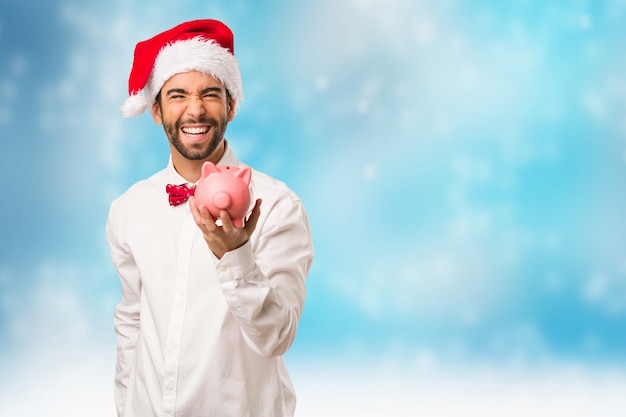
(224, 188)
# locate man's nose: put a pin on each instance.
(196, 106)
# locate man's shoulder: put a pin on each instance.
(267, 186)
(143, 190)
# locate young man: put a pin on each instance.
(207, 308)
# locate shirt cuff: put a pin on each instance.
(236, 264)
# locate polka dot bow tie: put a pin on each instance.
(178, 194)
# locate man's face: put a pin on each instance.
(194, 109)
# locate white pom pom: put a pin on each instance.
(134, 106)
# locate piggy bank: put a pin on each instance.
(224, 188)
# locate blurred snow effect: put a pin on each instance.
(341, 391)
(58, 385)
(463, 167)
(69, 383)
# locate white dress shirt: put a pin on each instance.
(198, 336)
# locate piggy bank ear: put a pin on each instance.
(244, 174)
(208, 168)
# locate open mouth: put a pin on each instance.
(195, 131)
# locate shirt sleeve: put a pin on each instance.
(127, 312)
(264, 280)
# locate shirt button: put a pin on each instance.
(222, 269)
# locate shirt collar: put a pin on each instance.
(229, 157)
(172, 176)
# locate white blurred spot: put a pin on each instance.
(321, 83)
(19, 65)
(585, 21)
(469, 77)
(457, 349)
(595, 288)
(469, 316)
(595, 103)
(471, 224)
(370, 172)
(471, 169)
(425, 32)
(362, 106)
(425, 359)
(607, 290)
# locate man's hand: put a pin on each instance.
(227, 237)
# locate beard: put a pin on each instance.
(196, 151)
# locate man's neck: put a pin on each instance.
(191, 170)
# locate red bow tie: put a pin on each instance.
(178, 194)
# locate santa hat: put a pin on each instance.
(201, 45)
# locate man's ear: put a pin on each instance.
(156, 113)
(230, 107)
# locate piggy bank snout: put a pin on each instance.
(222, 200)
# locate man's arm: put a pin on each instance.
(126, 317)
(263, 279)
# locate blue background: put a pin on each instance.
(462, 163)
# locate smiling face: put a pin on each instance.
(194, 109)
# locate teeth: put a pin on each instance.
(195, 130)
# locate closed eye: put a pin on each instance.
(212, 92)
(176, 93)
(209, 93)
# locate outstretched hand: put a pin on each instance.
(227, 237)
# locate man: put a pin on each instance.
(207, 308)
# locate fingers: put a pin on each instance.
(227, 223)
(201, 216)
(250, 225)
(226, 236)
(194, 211)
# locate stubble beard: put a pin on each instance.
(199, 151)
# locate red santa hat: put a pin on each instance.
(200, 45)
